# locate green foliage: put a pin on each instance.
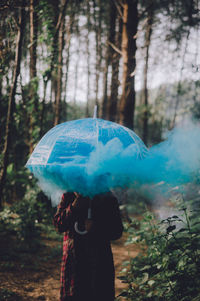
(168, 266)
(50, 232)
(26, 209)
(9, 221)
(8, 295)
(24, 218)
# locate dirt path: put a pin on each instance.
(39, 277)
(122, 253)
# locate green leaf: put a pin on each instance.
(123, 294)
(145, 278)
(151, 282)
(171, 228)
(10, 168)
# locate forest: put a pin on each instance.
(139, 63)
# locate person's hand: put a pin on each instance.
(80, 202)
(75, 202)
(88, 225)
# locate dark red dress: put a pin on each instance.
(87, 269)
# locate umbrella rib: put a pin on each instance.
(54, 145)
(97, 129)
(136, 142)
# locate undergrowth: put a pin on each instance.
(167, 267)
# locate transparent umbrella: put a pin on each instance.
(89, 156)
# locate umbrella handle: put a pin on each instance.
(76, 223)
(78, 231)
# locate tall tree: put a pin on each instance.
(98, 36)
(59, 73)
(148, 33)
(179, 86)
(11, 100)
(78, 38)
(116, 55)
(130, 25)
(108, 55)
(68, 35)
(88, 57)
(33, 71)
(58, 76)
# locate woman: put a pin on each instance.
(87, 269)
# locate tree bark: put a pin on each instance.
(148, 34)
(33, 40)
(11, 101)
(76, 72)
(33, 71)
(179, 86)
(59, 73)
(58, 21)
(45, 82)
(88, 58)
(67, 60)
(98, 21)
(113, 99)
(130, 24)
(109, 51)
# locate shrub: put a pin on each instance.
(9, 221)
(168, 266)
(8, 295)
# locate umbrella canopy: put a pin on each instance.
(88, 155)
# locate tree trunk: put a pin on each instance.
(130, 24)
(33, 41)
(67, 50)
(179, 86)
(76, 72)
(113, 100)
(11, 101)
(43, 109)
(148, 34)
(59, 73)
(98, 20)
(33, 72)
(58, 21)
(109, 51)
(88, 59)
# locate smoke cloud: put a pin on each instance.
(166, 167)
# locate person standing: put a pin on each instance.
(87, 268)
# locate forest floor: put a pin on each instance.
(34, 274)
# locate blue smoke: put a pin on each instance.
(172, 163)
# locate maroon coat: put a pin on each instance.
(87, 269)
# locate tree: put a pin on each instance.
(11, 100)
(33, 71)
(58, 81)
(115, 59)
(110, 39)
(148, 33)
(98, 35)
(59, 73)
(88, 57)
(129, 31)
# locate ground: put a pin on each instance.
(34, 275)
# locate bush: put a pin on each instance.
(168, 266)
(24, 218)
(9, 221)
(9, 295)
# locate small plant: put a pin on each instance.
(168, 266)
(9, 220)
(8, 295)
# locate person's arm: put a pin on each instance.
(66, 213)
(108, 224)
(114, 226)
